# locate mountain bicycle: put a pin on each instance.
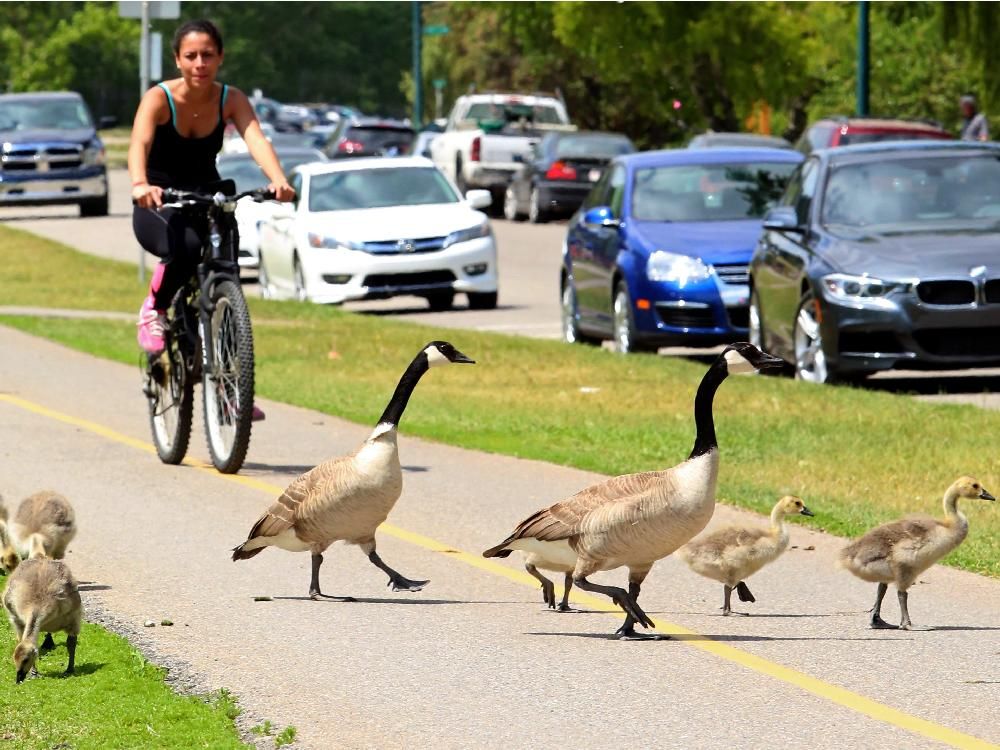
(208, 337)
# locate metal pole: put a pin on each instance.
(143, 85)
(863, 58)
(418, 83)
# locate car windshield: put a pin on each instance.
(382, 140)
(850, 138)
(708, 192)
(592, 146)
(248, 176)
(44, 114)
(511, 112)
(353, 189)
(953, 190)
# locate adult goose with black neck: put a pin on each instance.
(636, 519)
(347, 498)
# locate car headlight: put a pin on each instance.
(93, 153)
(332, 243)
(676, 268)
(863, 291)
(472, 233)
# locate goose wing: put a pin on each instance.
(728, 538)
(566, 519)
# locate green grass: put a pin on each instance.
(857, 457)
(116, 699)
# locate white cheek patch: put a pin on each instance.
(737, 363)
(435, 357)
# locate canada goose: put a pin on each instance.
(636, 519)
(348, 498)
(899, 551)
(735, 553)
(44, 525)
(41, 594)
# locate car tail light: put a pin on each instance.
(348, 146)
(477, 143)
(560, 170)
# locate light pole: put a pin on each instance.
(863, 42)
(418, 76)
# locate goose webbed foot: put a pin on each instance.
(627, 632)
(622, 598)
(317, 595)
(401, 583)
(730, 611)
(877, 623)
(47, 643)
(564, 607)
(314, 593)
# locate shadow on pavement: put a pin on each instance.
(721, 637)
(371, 600)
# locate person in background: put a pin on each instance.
(974, 124)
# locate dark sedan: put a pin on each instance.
(369, 136)
(562, 170)
(880, 256)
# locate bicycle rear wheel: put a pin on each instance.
(170, 394)
(227, 382)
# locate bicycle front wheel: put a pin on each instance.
(228, 378)
(170, 394)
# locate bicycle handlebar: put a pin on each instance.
(178, 198)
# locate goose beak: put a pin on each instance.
(765, 361)
(461, 359)
(986, 495)
(806, 512)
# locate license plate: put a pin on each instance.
(594, 175)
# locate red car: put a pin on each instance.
(842, 131)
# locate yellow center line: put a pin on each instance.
(833, 693)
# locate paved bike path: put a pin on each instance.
(474, 660)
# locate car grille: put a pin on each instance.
(991, 291)
(416, 280)
(960, 342)
(686, 317)
(739, 317)
(951, 292)
(884, 342)
(404, 246)
(33, 159)
(733, 274)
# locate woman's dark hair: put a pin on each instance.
(201, 26)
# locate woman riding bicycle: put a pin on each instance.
(176, 137)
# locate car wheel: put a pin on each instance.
(94, 207)
(810, 359)
(510, 211)
(440, 301)
(459, 177)
(264, 281)
(536, 214)
(756, 329)
(301, 293)
(482, 300)
(570, 324)
(626, 338)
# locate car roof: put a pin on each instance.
(680, 156)
(735, 139)
(878, 149)
(365, 162)
(25, 95)
(379, 122)
(884, 123)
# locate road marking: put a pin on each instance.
(841, 696)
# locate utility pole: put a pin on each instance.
(144, 48)
(863, 59)
(418, 76)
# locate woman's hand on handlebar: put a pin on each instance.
(282, 191)
(147, 196)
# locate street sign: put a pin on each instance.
(439, 83)
(163, 9)
(435, 29)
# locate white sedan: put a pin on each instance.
(372, 228)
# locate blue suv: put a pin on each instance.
(657, 254)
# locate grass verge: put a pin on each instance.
(857, 457)
(116, 699)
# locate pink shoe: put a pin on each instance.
(151, 326)
(258, 414)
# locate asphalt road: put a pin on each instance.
(474, 660)
(529, 304)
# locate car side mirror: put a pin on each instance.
(107, 121)
(601, 216)
(782, 219)
(479, 198)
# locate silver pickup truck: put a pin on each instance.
(50, 153)
(489, 136)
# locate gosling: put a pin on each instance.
(735, 553)
(41, 594)
(898, 552)
(44, 526)
(8, 555)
